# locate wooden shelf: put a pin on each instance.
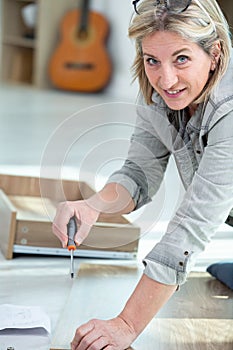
(19, 41)
(25, 60)
(28, 1)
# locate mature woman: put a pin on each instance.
(185, 108)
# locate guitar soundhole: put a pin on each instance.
(79, 65)
(82, 34)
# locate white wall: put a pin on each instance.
(121, 48)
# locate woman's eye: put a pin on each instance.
(182, 59)
(151, 61)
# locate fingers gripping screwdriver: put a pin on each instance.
(71, 245)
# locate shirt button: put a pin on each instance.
(181, 263)
(198, 151)
(186, 253)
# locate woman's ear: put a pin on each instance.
(215, 54)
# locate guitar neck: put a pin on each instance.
(83, 23)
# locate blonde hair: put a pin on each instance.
(202, 22)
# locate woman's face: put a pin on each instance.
(176, 68)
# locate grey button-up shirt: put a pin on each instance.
(203, 151)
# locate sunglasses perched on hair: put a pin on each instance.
(176, 7)
(173, 6)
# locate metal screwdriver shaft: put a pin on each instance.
(71, 231)
(71, 263)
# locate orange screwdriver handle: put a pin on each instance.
(71, 232)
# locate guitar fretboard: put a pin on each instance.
(83, 23)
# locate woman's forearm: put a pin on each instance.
(146, 300)
(113, 199)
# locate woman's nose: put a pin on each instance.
(168, 77)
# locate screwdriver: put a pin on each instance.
(71, 245)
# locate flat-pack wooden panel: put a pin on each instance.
(98, 291)
(48, 188)
(33, 202)
(7, 225)
(198, 317)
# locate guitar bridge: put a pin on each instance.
(79, 65)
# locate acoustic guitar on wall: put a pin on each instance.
(81, 61)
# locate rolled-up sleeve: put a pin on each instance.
(168, 264)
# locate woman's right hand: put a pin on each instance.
(85, 215)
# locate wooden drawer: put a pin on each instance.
(25, 219)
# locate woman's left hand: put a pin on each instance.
(114, 334)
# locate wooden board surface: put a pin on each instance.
(55, 189)
(198, 317)
(33, 208)
(7, 225)
(96, 293)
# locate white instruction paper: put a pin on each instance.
(23, 317)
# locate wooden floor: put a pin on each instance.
(198, 317)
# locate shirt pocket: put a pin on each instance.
(186, 163)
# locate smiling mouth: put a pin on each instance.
(174, 92)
